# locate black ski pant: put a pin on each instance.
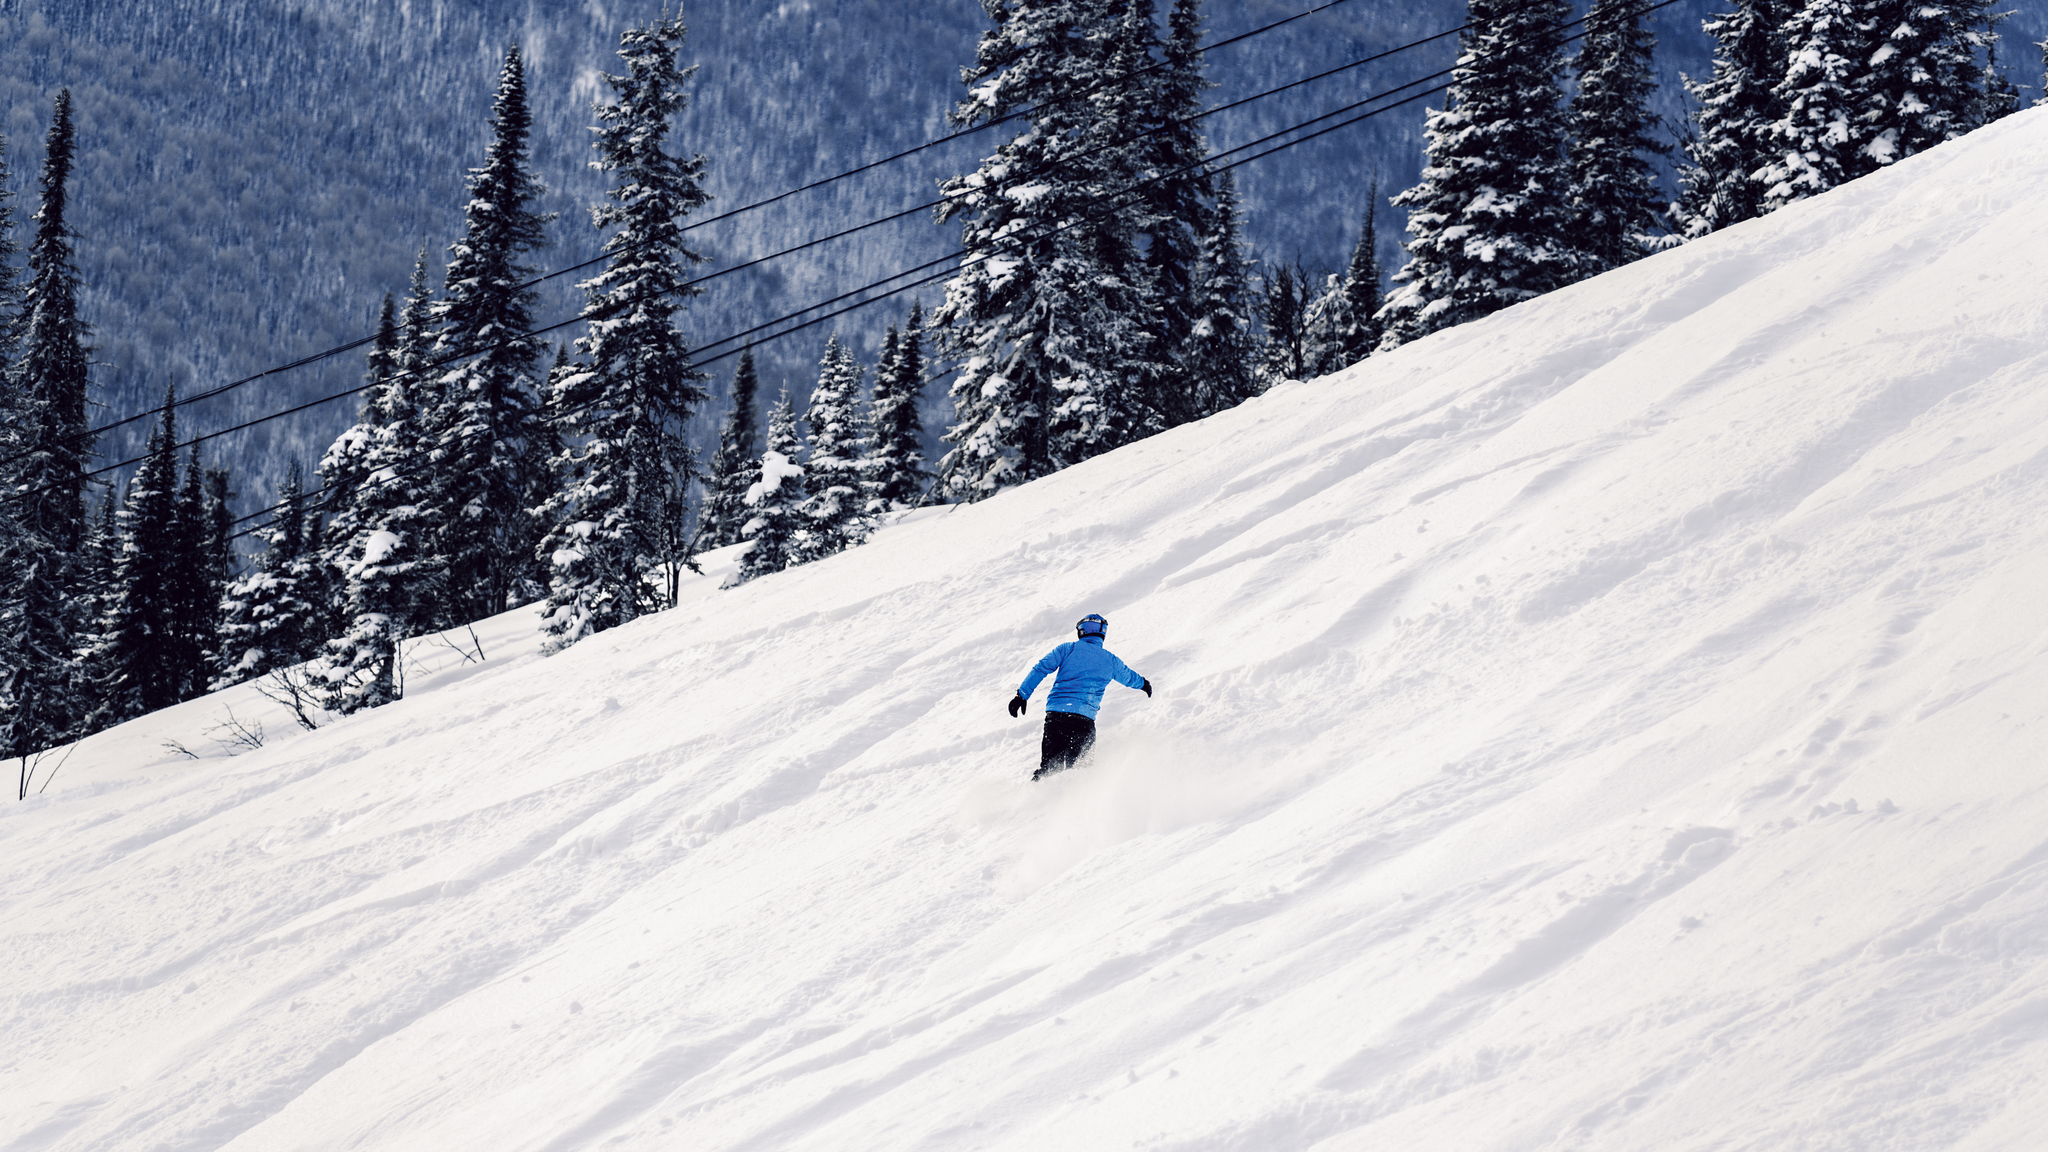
(1068, 736)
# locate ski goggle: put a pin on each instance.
(1092, 626)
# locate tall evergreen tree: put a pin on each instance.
(1221, 348)
(273, 617)
(342, 469)
(1323, 323)
(46, 472)
(1176, 189)
(1926, 84)
(139, 652)
(1285, 313)
(736, 464)
(1339, 328)
(896, 456)
(835, 517)
(1823, 138)
(2001, 95)
(618, 512)
(1047, 315)
(379, 556)
(192, 588)
(1738, 105)
(1489, 223)
(1615, 201)
(776, 498)
(483, 416)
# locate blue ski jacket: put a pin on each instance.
(1085, 669)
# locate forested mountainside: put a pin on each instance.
(254, 176)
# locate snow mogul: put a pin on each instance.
(1085, 669)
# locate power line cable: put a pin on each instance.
(1208, 162)
(352, 345)
(580, 316)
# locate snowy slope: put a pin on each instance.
(1610, 725)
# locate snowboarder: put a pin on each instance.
(1085, 668)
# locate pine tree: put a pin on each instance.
(896, 455)
(272, 618)
(2001, 95)
(736, 464)
(1339, 328)
(138, 655)
(1489, 223)
(1285, 313)
(343, 470)
(1738, 104)
(1362, 283)
(1047, 315)
(486, 475)
(619, 509)
(386, 582)
(1222, 346)
(1925, 83)
(46, 473)
(1615, 203)
(1176, 190)
(835, 516)
(1822, 139)
(193, 587)
(776, 499)
(1323, 324)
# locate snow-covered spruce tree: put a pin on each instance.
(1323, 323)
(617, 515)
(1047, 312)
(137, 657)
(1822, 139)
(482, 413)
(2001, 95)
(735, 464)
(1338, 327)
(776, 499)
(1222, 347)
(1285, 313)
(387, 438)
(1615, 198)
(1926, 84)
(193, 585)
(1489, 223)
(1158, 92)
(342, 468)
(46, 473)
(220, 565)
(896, 455)
(272, 618)
(1732, 132)
(835, 517)
(378, 556)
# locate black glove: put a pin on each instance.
(1016, 706)
(1148, 689)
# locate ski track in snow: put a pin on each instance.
(1609, 725)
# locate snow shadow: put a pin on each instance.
(1137, 781)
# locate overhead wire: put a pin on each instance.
(757, 261)
(980, 126)
(1208, 163)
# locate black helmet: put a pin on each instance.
(1091, 625)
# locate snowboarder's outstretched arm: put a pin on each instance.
(1130, 679)
(1046, 666)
